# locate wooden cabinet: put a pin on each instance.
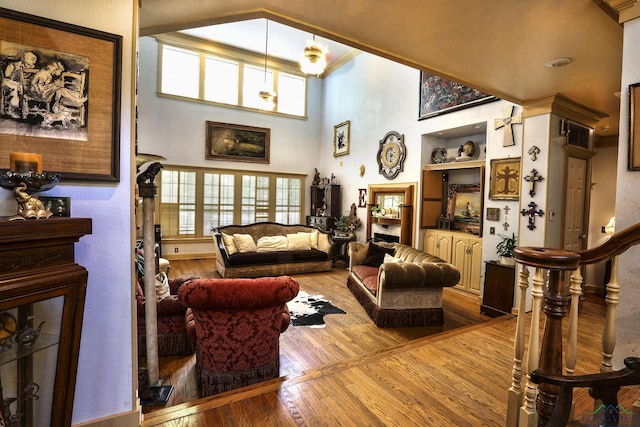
(460, 249)
(466, 254)
(436, 178)
(438, 243)
(42, 292)
(498, 292)
(325, 206)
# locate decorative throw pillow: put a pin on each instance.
(392, 259)
(272, 244)
(162, 286)
(299, 242)
(324, 244)
(229, 244)
(375, 255)
(313, 238)
(244, 243)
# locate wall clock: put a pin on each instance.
(391, 154)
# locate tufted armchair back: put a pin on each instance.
(236, 324)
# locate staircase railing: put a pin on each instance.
(534, 404)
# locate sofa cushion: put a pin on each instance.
(261, 258)
(375, 255)
(229, 244)
(299, 242)
(272, 243)
(388, 258)
(244, 243)
(313, 238)
(368, 276)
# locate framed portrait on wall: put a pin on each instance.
(341, 138)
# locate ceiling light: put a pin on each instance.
(314, 59)
(267, 95)
(558, 62)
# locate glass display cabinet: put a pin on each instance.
(42, 292)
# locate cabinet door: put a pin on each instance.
(475, 264)
(430, 242)
(444, 246)
(459, 258)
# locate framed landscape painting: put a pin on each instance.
(464, 207)
(441, 96)
(237, 143)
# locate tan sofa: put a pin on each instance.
(279, 250)
(404, 291)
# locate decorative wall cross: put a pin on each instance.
(506, 212)
(533, 152)
(532, 178)
(507, 122)
(532, 212)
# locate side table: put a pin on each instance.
(339, 247)
(497, 298)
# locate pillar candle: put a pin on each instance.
(25, 162)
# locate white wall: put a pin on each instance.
(104, 382)
(627, 208)
(176, 129)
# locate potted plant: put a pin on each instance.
(505, 248)
(341, 225)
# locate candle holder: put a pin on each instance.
(24, 185)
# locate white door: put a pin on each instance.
(575, 237)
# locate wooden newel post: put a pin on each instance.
(558, 263)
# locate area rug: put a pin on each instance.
(309, 310)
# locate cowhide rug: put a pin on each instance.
(309, 310)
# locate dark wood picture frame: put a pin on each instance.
(442, 96)
(237, 143)
(505, 179)
(634, 127)
(75, 126)
(464, 207)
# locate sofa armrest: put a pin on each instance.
(423, 275)
(221, 251)
(357, 253)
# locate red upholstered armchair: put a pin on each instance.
(236, 324)
(172, 336)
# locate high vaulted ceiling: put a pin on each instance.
(500, 47)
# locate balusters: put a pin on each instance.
(609, 333)
(572, 334)
(528, 413)
(515, 391)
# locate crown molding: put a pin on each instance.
(627, 9)
(563, 107)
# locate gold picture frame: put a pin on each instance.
(634, 127)
(65, 96)
(464, 207)
(237, 143)
(341, 138)
(504, 181)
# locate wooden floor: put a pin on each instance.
(353, 373)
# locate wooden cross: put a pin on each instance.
(532, 212)
(508, 121)
(532, 178)
(506, 212)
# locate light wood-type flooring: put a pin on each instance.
(352, 373)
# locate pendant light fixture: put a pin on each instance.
(314, 59)
(266, 94)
